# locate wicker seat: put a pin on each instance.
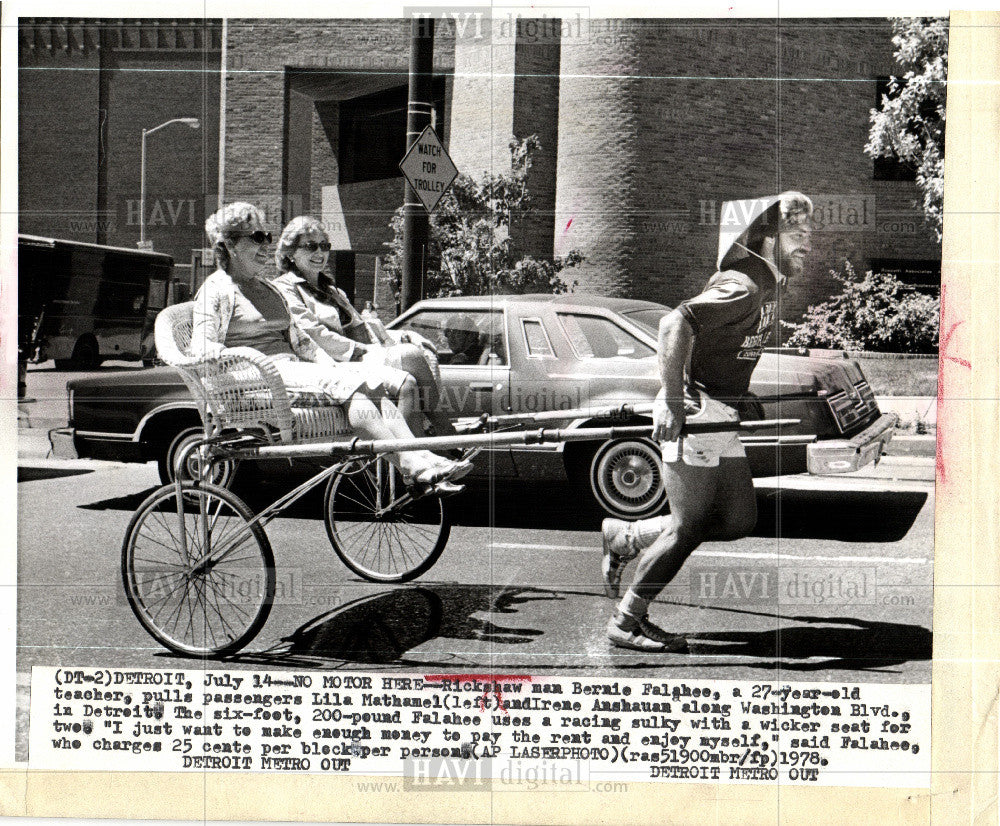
(242, 390)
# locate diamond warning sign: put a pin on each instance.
(428, 168)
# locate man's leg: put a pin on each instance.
(734, 516)
(691, 492)
(706, 503)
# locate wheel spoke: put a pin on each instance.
(164, 597)
(160, 563)
(393, 531)
(174, 549)
(178, 545)
(232, 603)
(206, 613)
(227, 628)
(390, 544)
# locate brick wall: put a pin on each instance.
(508, 85)
(301, 114)
(323, 150)
(646, 126)
(536, 112)
(598, 167)
(144, 90)
(482, 106)
(360, 56)
(58, 126)
(87, 88)
(694, 117)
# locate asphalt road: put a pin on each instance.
(834, 584)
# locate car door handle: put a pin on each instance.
(481, 386)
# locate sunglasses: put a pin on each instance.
(312, 246)
(258, 236)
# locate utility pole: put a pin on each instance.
(420, 105)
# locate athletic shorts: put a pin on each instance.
(705, 449)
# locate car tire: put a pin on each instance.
(221, 477)
(86, 354)
(626, 478)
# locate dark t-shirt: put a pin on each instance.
(732, 320)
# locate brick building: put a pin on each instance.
(646, 127)
(87, 89)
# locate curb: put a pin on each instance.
(908, 445)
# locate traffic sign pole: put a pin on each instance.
(420, 102)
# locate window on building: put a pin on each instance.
(372, 139)
(890, 168)
(923, 276)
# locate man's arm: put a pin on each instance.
(674, 348)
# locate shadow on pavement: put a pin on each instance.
(841, 642)
(381, 628)
(130, 502)
(846, 516)
(35, 474)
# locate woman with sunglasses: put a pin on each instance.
(406, 369)
(238, 307)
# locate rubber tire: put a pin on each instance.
(264, 546)
(333, 488)
(616, 500)
(225, 471)
(86, 354)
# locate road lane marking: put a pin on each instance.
(906, 560)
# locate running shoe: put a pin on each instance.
(639, 634)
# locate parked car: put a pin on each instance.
(532, 353)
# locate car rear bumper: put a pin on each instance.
(833, 456)
(70, 443)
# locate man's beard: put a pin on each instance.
(788, 265)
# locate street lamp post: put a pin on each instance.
(193, 123)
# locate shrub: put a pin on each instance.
(470, 250)
(874, 312)
(909, 123)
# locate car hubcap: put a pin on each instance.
(627, 478)
(633, 476)
(192, 465)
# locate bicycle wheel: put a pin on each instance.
(197, 576)
(377, 529)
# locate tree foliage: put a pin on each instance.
(470, 250)
(874, 312)
(909, 123)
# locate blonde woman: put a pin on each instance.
(408, 371)
(238, 306)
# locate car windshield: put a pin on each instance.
(648, 319)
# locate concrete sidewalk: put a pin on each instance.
(917, 414)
